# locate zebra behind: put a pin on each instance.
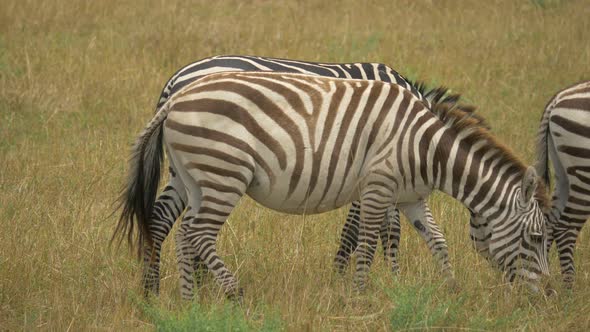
(230, 134)
(172, 201)
(564, 137)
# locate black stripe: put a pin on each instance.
(571, 126)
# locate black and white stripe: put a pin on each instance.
(564, 137)
(223, 63)
(171, 202)
(230, 134)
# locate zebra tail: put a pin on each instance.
(138, 197)
(542, 164)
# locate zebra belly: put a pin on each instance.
(298, 208)
(306, 200)
(277, 197)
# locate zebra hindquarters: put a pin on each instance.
(214, 188)
(568, 146)
(572, 218)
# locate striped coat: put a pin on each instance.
(564, 138)
(172, 201)
(230, 134)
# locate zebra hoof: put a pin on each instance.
(568, 282)
(359, 286)
(151, 290)
(237, 296)
(341, 263)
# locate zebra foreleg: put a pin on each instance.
(349, 238)
(390, 233)
(374, 204)
(421, 219)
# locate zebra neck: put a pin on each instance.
(478, 175)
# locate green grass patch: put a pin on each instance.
(431, 306)
(198, 317)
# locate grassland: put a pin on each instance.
(79, 79)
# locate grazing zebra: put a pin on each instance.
(172, 201)
(564, 136)
(229, 134)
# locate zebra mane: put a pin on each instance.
(440, 95)
(462, 118)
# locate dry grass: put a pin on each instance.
(79, 79)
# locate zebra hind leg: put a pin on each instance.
(566, 242)
(190, 265)
(389, 233)
(184, 255)
(204, 221)
(372, 214)
(167, 208)
(200, 268)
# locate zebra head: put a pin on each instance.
(517, 243)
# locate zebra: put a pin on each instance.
(564, 137)
(229, 134)
(171, 203)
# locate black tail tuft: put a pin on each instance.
(138, 197)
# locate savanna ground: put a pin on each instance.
(79, 80)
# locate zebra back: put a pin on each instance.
(370, 71)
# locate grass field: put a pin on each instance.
(79, 80)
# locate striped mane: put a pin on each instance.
(436, 95)
(440, 95)
(463, 119)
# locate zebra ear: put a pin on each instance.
(529, 185)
